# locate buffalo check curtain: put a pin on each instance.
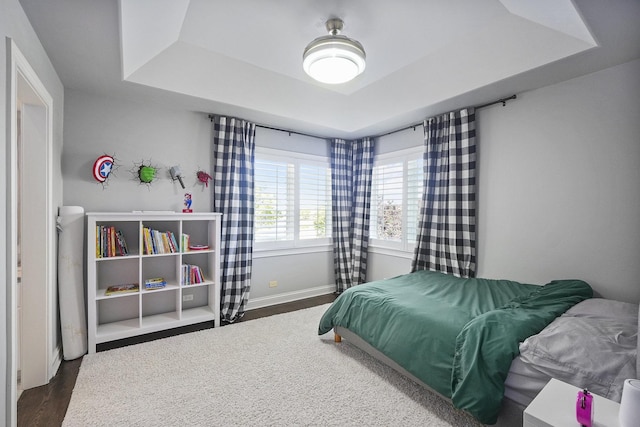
(233, 156)
(446, 238)
(351, 170)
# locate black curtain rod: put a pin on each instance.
(212, 116)
(501, 100)
(291, 131)
(415, 125)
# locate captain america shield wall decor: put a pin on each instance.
(102, 168)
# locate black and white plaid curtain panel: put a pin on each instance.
(446, 238)
(233, 155)
(351, 170)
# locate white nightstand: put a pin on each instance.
(555, 406)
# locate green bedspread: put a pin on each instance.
(459, 336)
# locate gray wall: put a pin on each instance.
(137, 131)
(15, 25)
(558, 191)
(559, 170)
(299, 275)
(133, 132)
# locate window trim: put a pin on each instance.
(400, 156)
(294, 246)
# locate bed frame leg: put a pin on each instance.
(337, 338)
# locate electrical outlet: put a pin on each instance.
(273, 283)
(187, 297)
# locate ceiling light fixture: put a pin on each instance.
(334, 59)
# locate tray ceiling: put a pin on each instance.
(244, 57)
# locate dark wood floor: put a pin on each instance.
(47, 405)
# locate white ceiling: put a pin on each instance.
(244, 57)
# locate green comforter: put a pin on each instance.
(459, 336)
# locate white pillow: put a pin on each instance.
(601, 308)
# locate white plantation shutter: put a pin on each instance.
(395, 199)
(314, 201)
(387, 202)
(274, 193)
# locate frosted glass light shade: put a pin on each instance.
(334, 59)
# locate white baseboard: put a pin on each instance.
(285, 297)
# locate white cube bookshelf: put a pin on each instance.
(123, 315)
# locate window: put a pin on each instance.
(292, 199)
(395, 199)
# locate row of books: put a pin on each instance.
(191, 275)
(158, 242)
(110, 242)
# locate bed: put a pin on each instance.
(489, 346)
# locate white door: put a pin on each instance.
(34, 335)
(30, 175)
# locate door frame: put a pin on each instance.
(44, 306)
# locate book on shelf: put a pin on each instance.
(174, 243)
(122, 289)
(155, 283)
(121, 243)
(148, 246)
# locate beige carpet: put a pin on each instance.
(274, 371)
